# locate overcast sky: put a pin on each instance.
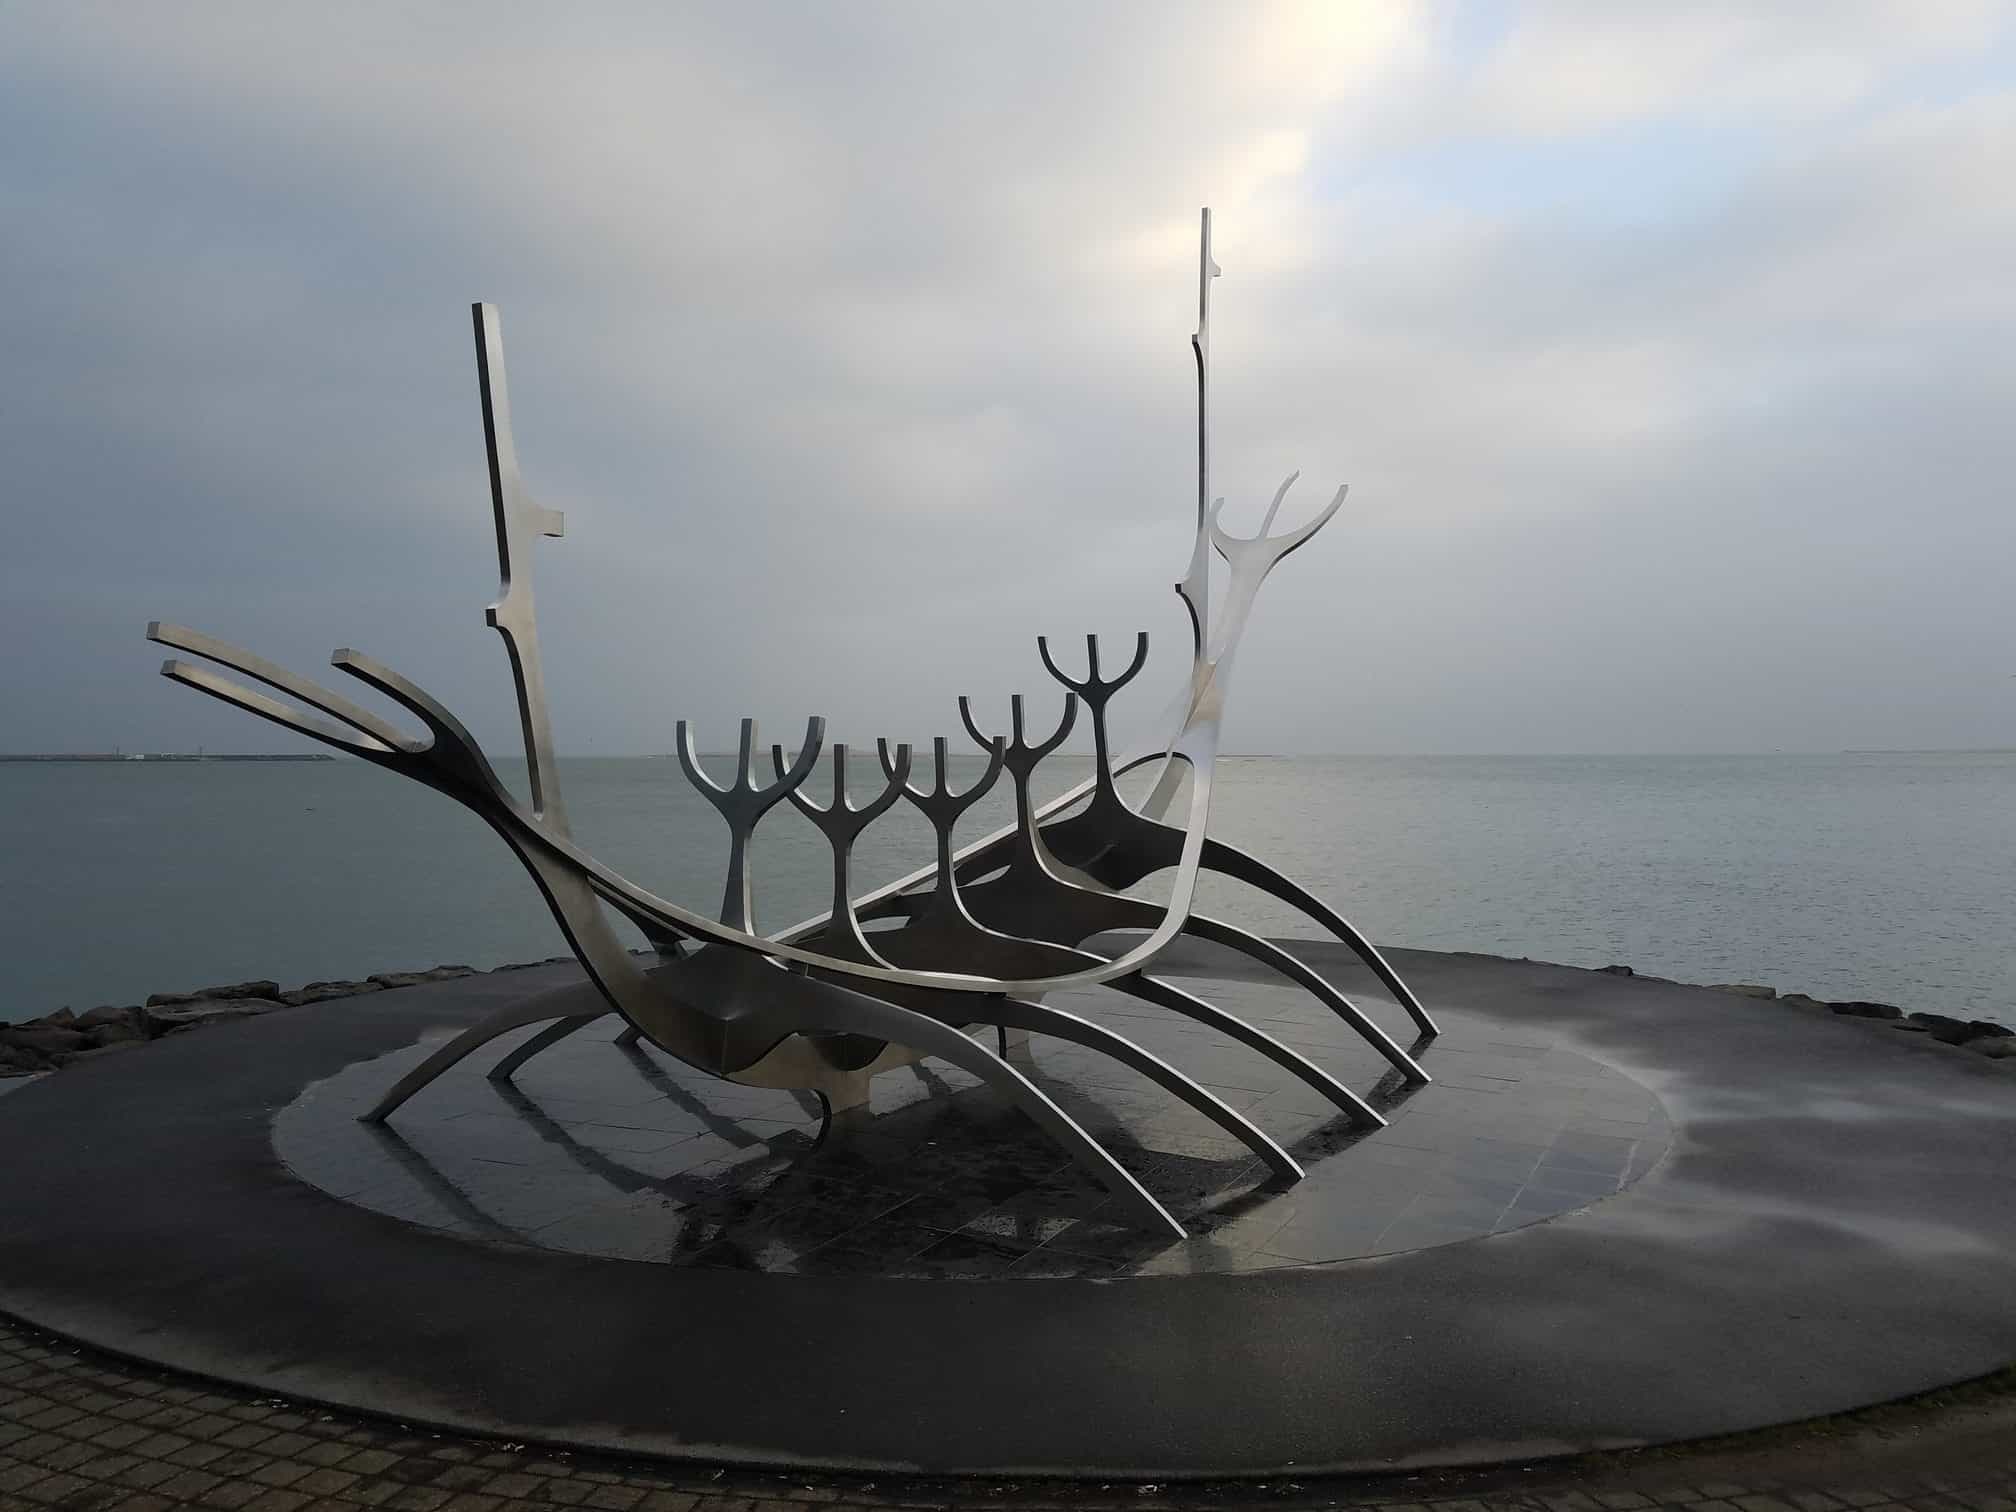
(1667, 352)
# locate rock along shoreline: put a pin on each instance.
(57, 1039)
(1982, 1036)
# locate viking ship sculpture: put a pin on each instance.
(974, 941)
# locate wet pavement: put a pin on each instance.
(1831, 1226)
(624, 1153)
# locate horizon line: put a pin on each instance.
(1974, 750)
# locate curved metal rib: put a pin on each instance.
(1265, 951)
(544, 1040)
(1005, 904)
(948, 931)
(1038, 1018)
(942, 931)
(928, 940)
(1162, 994)
(580, 1000)
(1030, 900)
(818, 1006)
(1168, 995)
(1118, 847)
(1231, 862)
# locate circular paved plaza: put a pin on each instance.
(1626, 1212)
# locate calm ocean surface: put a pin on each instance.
(1879, 876)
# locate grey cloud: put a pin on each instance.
(854, 343)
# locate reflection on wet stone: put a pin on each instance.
(625, 1154)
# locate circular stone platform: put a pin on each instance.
(627, 1154)
(1626, 1212)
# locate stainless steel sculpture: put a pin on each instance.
(983, 933)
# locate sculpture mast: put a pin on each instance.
(519, 520)
(1195, 589)
(1196, 584)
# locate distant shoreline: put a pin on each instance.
(161, 756)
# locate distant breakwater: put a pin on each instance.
(156, 756)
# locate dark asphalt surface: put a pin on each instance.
(1833, 1228)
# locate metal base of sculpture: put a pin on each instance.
(980, 935)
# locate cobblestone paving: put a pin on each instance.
(79, 1430)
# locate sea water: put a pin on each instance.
(1846, 876)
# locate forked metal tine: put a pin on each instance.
(1064, 723)
(838, 816)
(1094, 689)
(973, 729)
(805, 805)
(182, 638)
(450, 751)
(997, 753)
(689, 762)
(203, 680)
(742, 797)
(797, 795)
(1050, 666)
(939, 803)
(885, 800)
(1133, 667)
(1021, 756)
(742, 805)
(453, 752)
(942, 776)
(1266, 548)
(808, 758)
(399, 688)
(898, 780)
(1274, 508)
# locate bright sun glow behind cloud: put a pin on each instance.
(1665, 352)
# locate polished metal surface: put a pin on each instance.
(1031, 897)
(825, 1005)
(743, 804)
